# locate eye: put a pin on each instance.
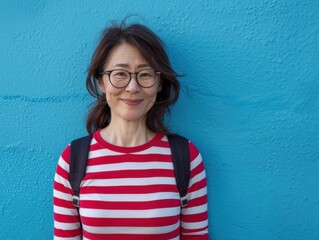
(120, 74)
(146, 74)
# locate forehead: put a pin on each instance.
(125, 55)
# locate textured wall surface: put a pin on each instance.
(249, 102)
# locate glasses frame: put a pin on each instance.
(130, 73)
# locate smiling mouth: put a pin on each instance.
(132, 102)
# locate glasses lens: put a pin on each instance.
(146, 78)
(119, 78)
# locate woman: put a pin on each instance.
(129, 190)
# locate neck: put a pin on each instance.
(127, 134)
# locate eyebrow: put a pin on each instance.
(126, 65)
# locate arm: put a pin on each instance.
(66, 219)
(194, 217)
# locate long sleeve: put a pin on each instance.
(66, 219)
(194, 218)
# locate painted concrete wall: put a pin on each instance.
(249, 102)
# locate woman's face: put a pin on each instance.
(132, 102)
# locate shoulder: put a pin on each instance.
(65, 155)
(194, 152)
(78, 142)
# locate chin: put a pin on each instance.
(133, 117)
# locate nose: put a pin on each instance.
(133, 86)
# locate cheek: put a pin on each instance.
(107, 88)
(111, 94)
(152, 92)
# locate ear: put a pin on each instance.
(101, 85)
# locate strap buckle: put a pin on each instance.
(76, 201)
(184, 201)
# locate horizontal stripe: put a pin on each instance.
(67, 238)
(61, 180)
(126, 230)
(197, 161)
(130, 158)
(133, 222)
(129, 166)
(166, 236)
(102, 153)
(130, 174)
(194, 210)
(62, 195)
(66, 226)
(153, 213)
(155, 150)
(65, 211)
(199, 217)
(63, 164)
(107, 152)
(66, 218)
(128, 205)
(196, 179)
(67, 233)
(199, 193)
(62, 203)
(60, 171)
(195, 225)
(129, 189)
(130, 197)
(129, 181)
(197, 233)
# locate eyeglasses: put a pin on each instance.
(120, 78)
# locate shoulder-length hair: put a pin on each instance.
(151, 48)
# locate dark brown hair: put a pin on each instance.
(153, 51)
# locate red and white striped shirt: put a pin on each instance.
(130, 193)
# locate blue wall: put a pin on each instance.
(249, 102)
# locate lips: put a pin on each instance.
(132, 102)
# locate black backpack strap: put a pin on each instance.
(78, 160)
(181, 161)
